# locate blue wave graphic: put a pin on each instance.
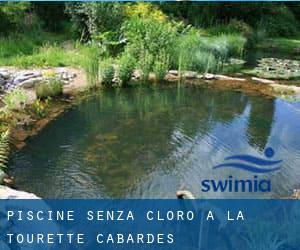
(253, 159)
(246, 167)
(247, 162)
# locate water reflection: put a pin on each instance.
(260, 121)
(147, 142)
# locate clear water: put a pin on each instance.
(148, 142)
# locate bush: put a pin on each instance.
(145, 64)
(280, 23)
(161, 65)
(40, 107)
(234, 26)
(50, 88)
(126, 68)
(16, 99)
(107, 72)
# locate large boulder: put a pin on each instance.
(30, 83)
(9, 193)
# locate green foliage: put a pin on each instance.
(49, 88)
(107, 72)
(90, 18)
(14, 16)
(41, 107)
(234, 26)
(161, 65)
(149, 35)
(280, 23)
(16, 99)
(90, 63)
(4, 148)
(126, 68)
(35, 49)
(145, 64)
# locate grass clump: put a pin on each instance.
(51, 88)
(16, 99)
(90, 63)
(126, 68)
(40, 107)
(161, 66)
(107, 72)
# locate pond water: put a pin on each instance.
(148, 142)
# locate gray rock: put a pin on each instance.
(173, 72)
(30, 83)
(208, 76)
(9, 193)
(2, 176)
(2, 81)
(228, 78)
(5, 74)
(189, 74)
(261, 80)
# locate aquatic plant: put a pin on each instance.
(4, 148)
(41, 107)
(161, 65)
(49, 88)
(90, 63)
(107, 72)
(16, 99)
(145, 64)
(126, 68)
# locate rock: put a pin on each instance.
(2, 81)
(173, 72)
(262, 80)
(26, 75)
(189, 74)
(30, 83)
(208, 76)
(199, 76)
(9, 193)
(228, 78)
(4, 74)
(3, 175)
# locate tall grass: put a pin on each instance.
(16, 49)
(90, 63)
(206, 53)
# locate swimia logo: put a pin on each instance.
(248, 163)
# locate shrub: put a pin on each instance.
(41, 108)
(161, 65)
(16, 99)
(49, 88)
(107, 72)
(279, 22)
(126, 68)
(145, 64)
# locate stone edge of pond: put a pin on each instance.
(9, 193)
(241, 82)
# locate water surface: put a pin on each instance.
(148, 142)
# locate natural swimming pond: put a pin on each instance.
(147, 142)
